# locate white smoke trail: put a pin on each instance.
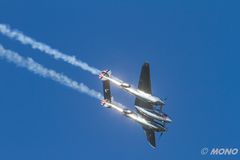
(19, 36)
(33, 66)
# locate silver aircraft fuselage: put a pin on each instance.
(136, 92)
(154, 115)
(134, 116)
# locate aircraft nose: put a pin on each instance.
(161, 103)
(169, 119)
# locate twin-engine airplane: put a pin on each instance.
(152, 120)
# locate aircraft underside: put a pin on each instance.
(152, 120)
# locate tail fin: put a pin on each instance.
(106, 90)
(104, 74)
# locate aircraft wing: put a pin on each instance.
(150, 136)
(145, 85)
(149, 133)
(145, 80)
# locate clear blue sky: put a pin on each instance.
(193, 49)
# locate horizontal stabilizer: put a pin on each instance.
(106, 90)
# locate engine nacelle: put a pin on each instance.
(125, 85)
(127, 111)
